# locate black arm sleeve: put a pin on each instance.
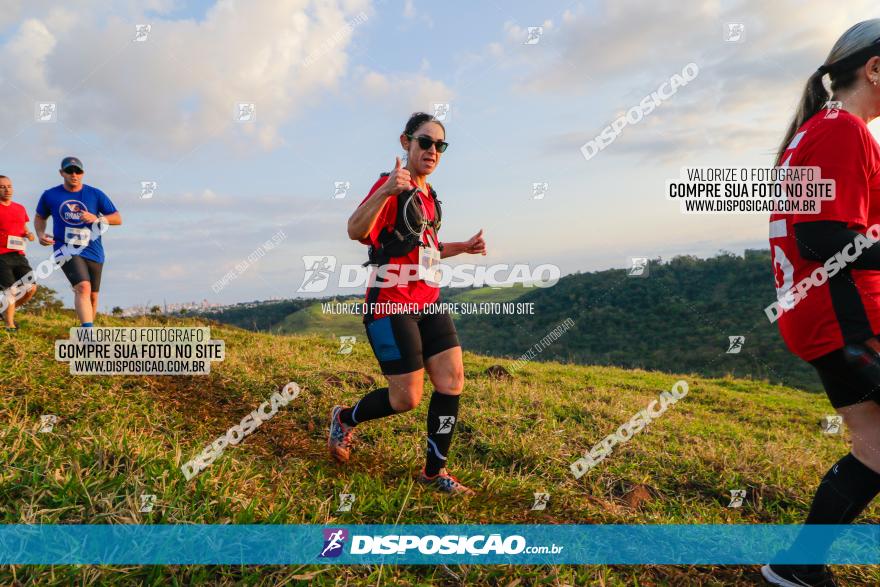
(822, 239)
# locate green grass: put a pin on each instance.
(493, 294)
(312, 320)
(120, 437)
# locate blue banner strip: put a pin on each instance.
(438, 544)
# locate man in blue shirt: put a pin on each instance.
(74, 207)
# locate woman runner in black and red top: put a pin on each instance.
(835, 325)
(409, 341)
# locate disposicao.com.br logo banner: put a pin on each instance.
(235, 544)
(441, 543)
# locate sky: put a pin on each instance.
(333, 83)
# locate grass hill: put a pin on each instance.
(677, 319)
(265, 316)
(305, 316)
(485, 294)
(311, 320)
(119, 437)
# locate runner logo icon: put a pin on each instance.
(735, 344)
(318, 270)
(446, 425)
(541, 501)
(346, 500)
(334, 540)
(346, 344)
(737, 496)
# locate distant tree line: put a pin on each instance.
(679, 319)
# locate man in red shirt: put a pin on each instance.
(13, 263)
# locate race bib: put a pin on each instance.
(78, 237)
(429, 259)
(15, 243)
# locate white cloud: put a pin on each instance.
(179, 88)
(409, 9)
(24, 57)
(11, 12)
(408, 92)
(206, 196)
(614, 55)
(411, 14)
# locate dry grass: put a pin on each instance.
(120, 437)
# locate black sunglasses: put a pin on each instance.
(426, 142)
(73, 171)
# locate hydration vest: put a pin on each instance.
(399, 240)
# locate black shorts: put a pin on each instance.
(78, 270)
(845, 384)
(13, 266)
(403, 342)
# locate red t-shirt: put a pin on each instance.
(12, 222)
(820, 323)
(416, 291)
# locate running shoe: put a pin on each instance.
(798, 575)
(445, 482)
(339, 441)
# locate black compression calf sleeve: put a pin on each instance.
(374, 405)
(442, 414)
(847, 489)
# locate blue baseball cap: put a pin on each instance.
(71, 162)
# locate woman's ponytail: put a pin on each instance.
(814, 98)
(851, 51)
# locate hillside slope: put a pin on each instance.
(120, 437)
(678, 319)
(305, 316)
